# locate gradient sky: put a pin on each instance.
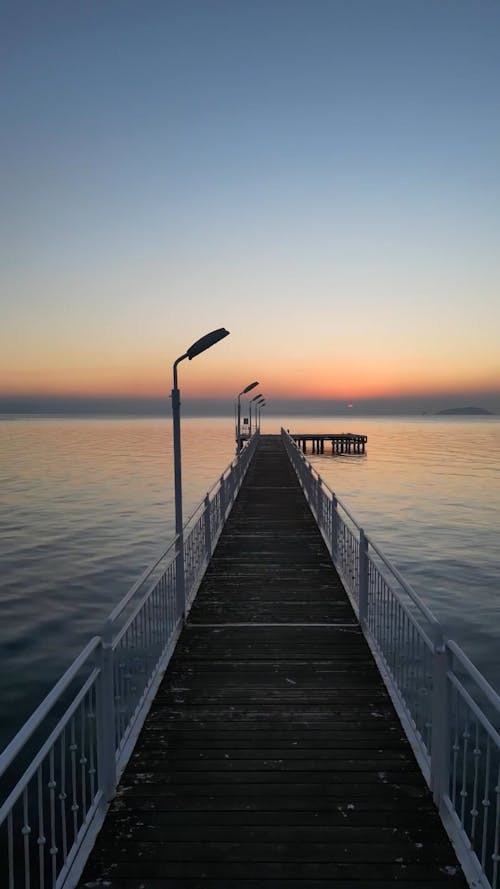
(320, 177)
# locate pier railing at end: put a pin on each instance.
(449, 711)
(86, 727)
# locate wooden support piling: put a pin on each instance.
(342, 443)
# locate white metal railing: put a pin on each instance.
(75, 745)
(447, 708)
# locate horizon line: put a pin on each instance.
(153, 406)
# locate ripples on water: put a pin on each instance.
(87, 503)
(85, 506)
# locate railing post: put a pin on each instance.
(335, 520)
(440, 736)
(106, 717)
(363, 579)
(222, 500)
(208, 533)
(308, 481)
(319, 503)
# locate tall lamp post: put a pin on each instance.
(238, 423)
(261, 405)
(255, 398)
(196, 349)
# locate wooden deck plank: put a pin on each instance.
(272, 756)
(127, 882)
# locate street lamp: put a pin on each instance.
(255, 398)
(261, 404)
(238, 424)
(196, 349)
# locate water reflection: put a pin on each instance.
(87, 503)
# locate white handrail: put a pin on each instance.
(482, 683)
(456, 744)
(43, 709)
(429, 616)
(140, 581)
(485, 722)
(215, 485)
(42, 753)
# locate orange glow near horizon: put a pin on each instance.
(297, 368)
(200, 380)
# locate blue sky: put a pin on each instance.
(321, 178)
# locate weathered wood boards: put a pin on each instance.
(272, 756)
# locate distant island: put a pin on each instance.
(465, 410)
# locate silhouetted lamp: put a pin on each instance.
(205, 342)
(255, 398)
(238, 425)
(260, 404)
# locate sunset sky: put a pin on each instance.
(321, 177)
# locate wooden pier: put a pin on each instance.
(342, 443)
(272, 757)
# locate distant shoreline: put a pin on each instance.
(465, 412)
(439, 405)
(228, 415)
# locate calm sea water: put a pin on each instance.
(85, 504)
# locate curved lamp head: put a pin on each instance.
(206, 341)
(256, 398)
(249, 387)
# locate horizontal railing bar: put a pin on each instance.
(126, 626)
(326, 487)
(75, 849)
(215, 485)
(157, 667)
(406, 586)
(45, 748)
(389, 681)
(340, 503)
(478, 713)
(481, 682)
(201, 504)
(138, 583)
(474, 871)
(411, 617)
(46, 705)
